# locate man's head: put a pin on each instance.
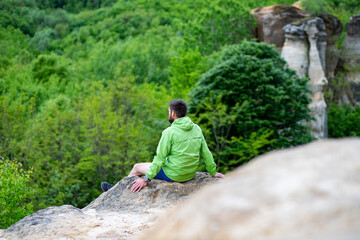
(177, 109)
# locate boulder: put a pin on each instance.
(115, 214)
(157, 195)
(272, 19)
(307, 192)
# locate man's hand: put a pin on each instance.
(219, 175)
(138, 184)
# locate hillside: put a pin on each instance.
(85, 86)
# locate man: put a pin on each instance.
(178, 153)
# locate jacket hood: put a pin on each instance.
(183, 123)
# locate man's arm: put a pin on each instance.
(162, 152)
(209, 160)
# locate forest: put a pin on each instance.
(85, 87)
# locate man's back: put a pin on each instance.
(179, 151)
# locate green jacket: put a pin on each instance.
(179, 151)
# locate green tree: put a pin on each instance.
(15, 192)
(217, 123)
(343, 120)
(273, 98)
(218, 23)
(47, 65)
(186, 70)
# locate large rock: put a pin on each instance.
(309, 192)
(272, 19)
(116, 214)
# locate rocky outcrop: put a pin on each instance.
(304, 50)
(295, 49)
(284, 26)
(349, 64)
(309, 45)
(116, 214)
(308, 192)
(272, 19)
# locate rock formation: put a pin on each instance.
(271, 21)
(304, 50)
(295, 49)
(309, 192)
(349, 64)
(116, 214)
(310, 46)
(315, 30)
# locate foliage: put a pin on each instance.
(343, 120)
(186, 70)
(15, 192)
(217, 122)
(272, 97)
(13, 47)
(218, 23)
(342, 9)
(84, 86)
(42, 39)
(46, 66)
(77, 143)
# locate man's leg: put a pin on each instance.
(139, 169)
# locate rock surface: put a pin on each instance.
(304, 50)
(272, 19)
(309, 192)
(116, 214)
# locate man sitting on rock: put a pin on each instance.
(178, 153)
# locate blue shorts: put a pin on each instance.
(161, 175)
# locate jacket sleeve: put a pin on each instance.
(162, 151)
(208, 157)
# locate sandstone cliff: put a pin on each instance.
(309, 45)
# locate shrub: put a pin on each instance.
(47, 65)
(343, 121)
(42, 39)
(15, 193)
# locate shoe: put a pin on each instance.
(105, 186)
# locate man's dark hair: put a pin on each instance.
(179, 106)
